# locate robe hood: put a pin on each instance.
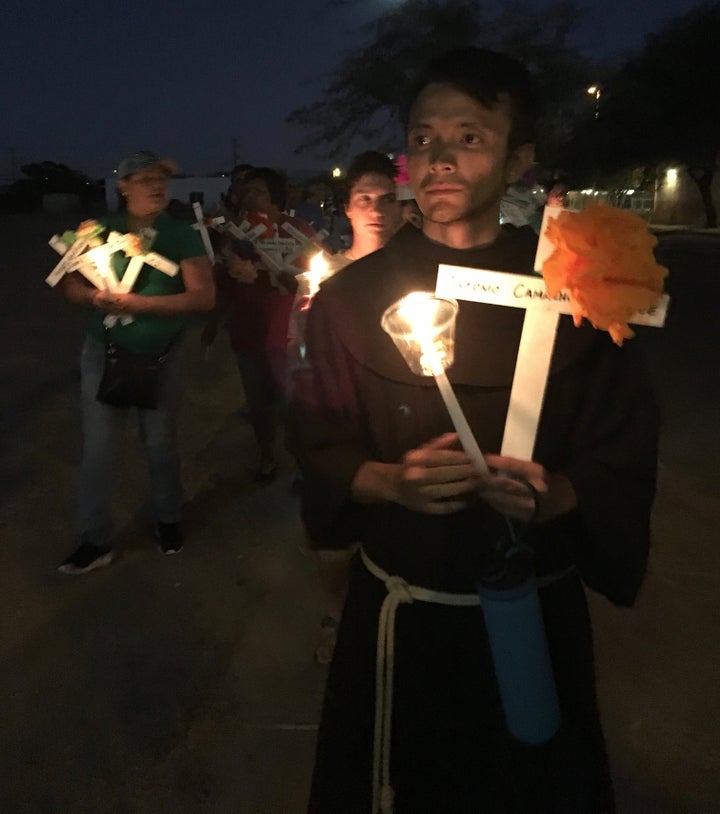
(409, 262)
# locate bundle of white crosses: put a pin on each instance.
(276, 253)
(87, 254)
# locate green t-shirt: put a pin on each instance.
(149, 333)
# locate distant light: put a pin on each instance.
(336, 172)
(671, 176)
(592, 90)
(630, 191)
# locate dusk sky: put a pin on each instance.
(85, 83)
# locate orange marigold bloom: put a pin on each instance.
(604, 258)
(133, 245)
(89, 228)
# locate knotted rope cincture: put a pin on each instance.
(399, 592)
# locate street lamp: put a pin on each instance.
(596, 90)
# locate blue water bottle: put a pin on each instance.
(518, 644)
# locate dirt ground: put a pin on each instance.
(186, 685)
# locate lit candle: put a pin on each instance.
(432, 335)
(317, 273)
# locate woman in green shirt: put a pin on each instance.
(159, 306)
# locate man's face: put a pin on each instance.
(146, 192)
(458, 160)
(256, 196)
(372, 208)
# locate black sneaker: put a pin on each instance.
(88, 557)
(170, 536)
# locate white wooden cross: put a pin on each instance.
(202, 226)
(304, 241)
(69, 257)
(276, 253)
(246, 231)
(137, 261)
(536, 341)
(91, 264)
(101, 258)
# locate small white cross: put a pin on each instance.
(202, 227)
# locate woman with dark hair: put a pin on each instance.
(258, 300)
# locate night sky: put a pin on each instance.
(85, 83)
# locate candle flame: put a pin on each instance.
(317, 273)
(420, 310)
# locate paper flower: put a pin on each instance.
(604, 257)
(88, 229)
(133, 245)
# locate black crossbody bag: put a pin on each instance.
(131, 379)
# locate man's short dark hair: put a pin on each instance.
(484, 75)
(275, 181)
(371, 161)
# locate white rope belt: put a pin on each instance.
(399, 592)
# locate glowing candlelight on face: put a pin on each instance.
(423, 329)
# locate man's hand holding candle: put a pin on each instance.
(436, 478)
(440, 478)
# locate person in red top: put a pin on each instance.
(258, 300)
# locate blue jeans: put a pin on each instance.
(103, 427)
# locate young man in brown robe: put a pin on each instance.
(381, 465)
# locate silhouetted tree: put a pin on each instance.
(662, 106)
(364, 94)
(53, 177)
(45, 177)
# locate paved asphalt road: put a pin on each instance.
(185, 685)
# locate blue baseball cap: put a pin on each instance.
(143, 160)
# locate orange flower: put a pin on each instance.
(604, 257)
(89, 228)
(133, 245)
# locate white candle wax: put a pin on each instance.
(465, 434)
